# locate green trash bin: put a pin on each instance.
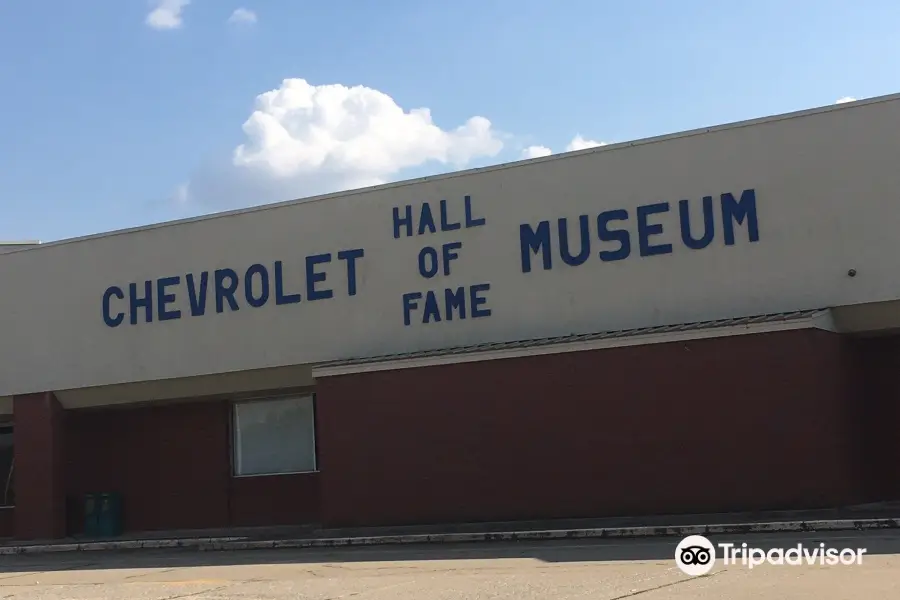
(109, 519)
(91, 516)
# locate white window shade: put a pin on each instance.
(273, 437)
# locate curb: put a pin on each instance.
(243, 543)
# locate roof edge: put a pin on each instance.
(811, 319)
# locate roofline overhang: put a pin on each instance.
(816, 319)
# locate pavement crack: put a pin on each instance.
(195, 594)
(14, 575)
(664, 586)
(155, 573)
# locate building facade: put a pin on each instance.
(699, 322)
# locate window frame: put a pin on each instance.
(235, 432)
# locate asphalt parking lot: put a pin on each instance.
(584, 569)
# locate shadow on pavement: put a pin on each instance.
(584, 550)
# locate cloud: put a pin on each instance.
(242, 15)
(166, 14)
(577, 143)
(536, 152)
(845, 99)
(304, 139)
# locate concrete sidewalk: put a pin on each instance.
(872, 516)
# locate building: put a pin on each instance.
(696, 322)
(13, 246)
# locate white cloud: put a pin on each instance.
(166, 14)
(536, 152)
(242, 15)
(305, 139)
(579, 143)
(845, 99)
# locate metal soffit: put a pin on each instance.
(766, 319)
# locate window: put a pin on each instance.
(7, 492)
(276, 436)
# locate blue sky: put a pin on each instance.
(109, 122)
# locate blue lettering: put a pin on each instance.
(159, 294)
(450, 255)
(404, 224)
(312, 278)
(535, 241)
(614, 235)
(425, 270)
(471, 222)
(475, 301)
(409, 303)
(446, 225)
(431, 312)
(146, 302)
(163, 299)
(198, 297)
(120, 316)
(426, 220)
(350, 256)
(226, 291)
(455, 300)
(585, 252)
(455, 304)
(252, 299)
(399, 222)
(645, 230)
(738, 211)
(708, 225)
(280, 297)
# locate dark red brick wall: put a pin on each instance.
(276, 500)
(172, 464)
(39, 472)
(6, 522)
(781, 420)
(878, 402)
(761, 421)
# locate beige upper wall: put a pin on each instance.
(825, 184)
